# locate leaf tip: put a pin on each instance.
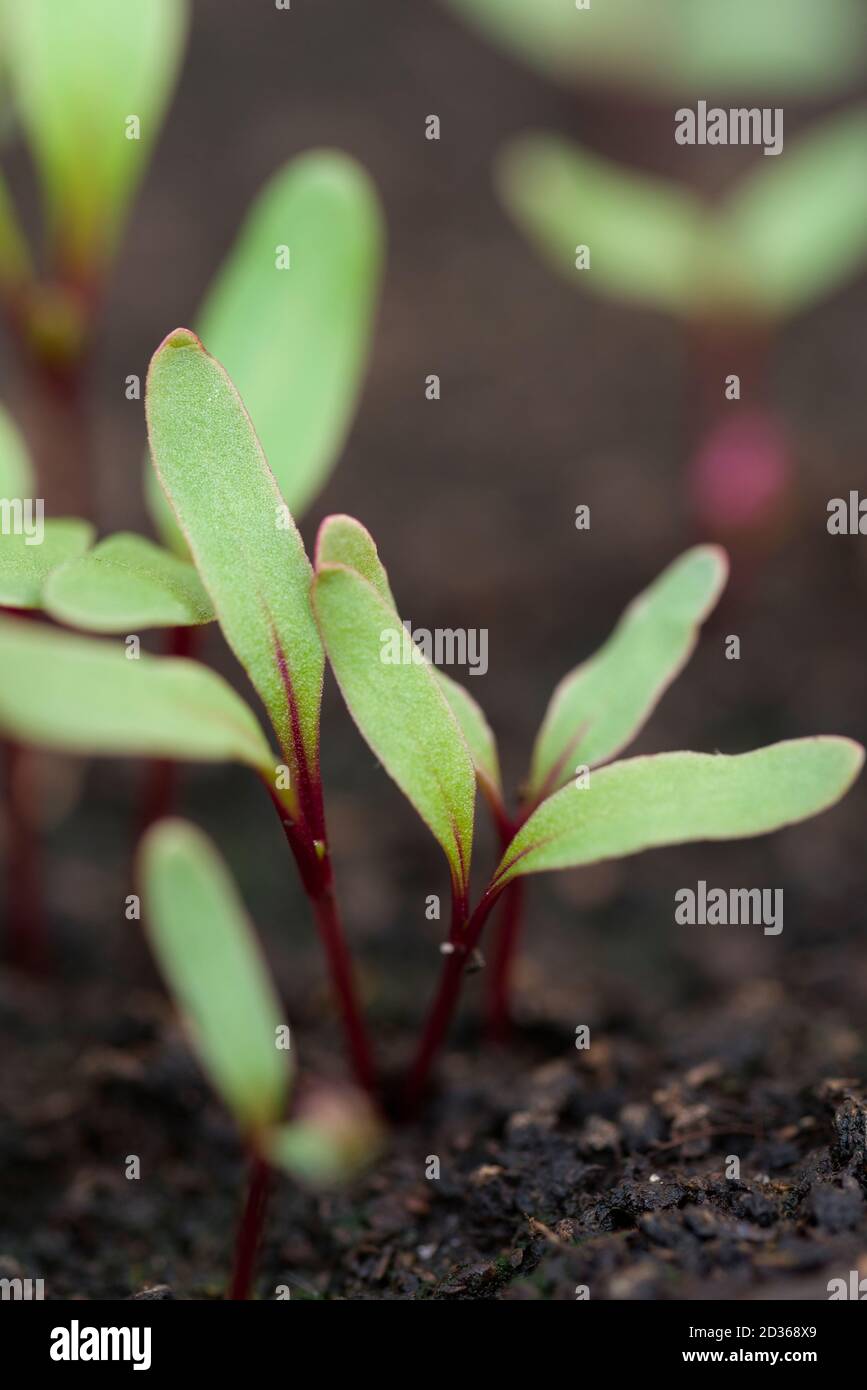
(180, 338)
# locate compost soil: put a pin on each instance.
(705, 1154)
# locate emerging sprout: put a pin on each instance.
(207, 951)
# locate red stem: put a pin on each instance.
(314, 867)
(331, 933)
(502, 966)
(250, 1229)
(445, 1001)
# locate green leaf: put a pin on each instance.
(295, 340)
(344, 541)
(799, 223)
(649, 240)
(599, 707)
(332, 1140)
(127, 584)
(207, 950)
(663, 45)
(478, 734)
(16, 471)
(25, 567)
(672, 798)
(80, 69)
(245, 544)
(79, 695)
(399, 708)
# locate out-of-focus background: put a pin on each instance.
(550, 398)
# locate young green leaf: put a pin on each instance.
(329, 1141)
(799, 223)
(662, 45)
(207, 950)
(649, 240)
(91, 80)
(290, 314)
(27, 562)
(127, 584)
(79, 695)
(16, 470)
(599, 707)
(245, 544)
(344, 541)
(672, 798)
(478, 735)
(398, 705)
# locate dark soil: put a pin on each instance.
(608, 1168)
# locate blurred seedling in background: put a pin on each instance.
(207, 951)
(432, 738)
(90, 82)
(733, 272)
(76, 694)
(656, 47)
(298, 339)
(789, 233)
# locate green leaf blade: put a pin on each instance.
(79, 70)
(295, 340)
(478, 736)
(675, 798)
(207, 950)
(649, 241)
(675, 45)
(598, 708)
(342, 540)
(127, 584)
(25, 569)
(400, 710)
(246, 547)
(80, 695)
(333, 1138)
(799, 223)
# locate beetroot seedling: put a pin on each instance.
(298, 337)
(789, 233)
(429, 739)
(657, 47)
(207, 951)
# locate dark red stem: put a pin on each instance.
(331, 933)
(250, 1229)
(445, 1001)
(502, 964)
(314, 867)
